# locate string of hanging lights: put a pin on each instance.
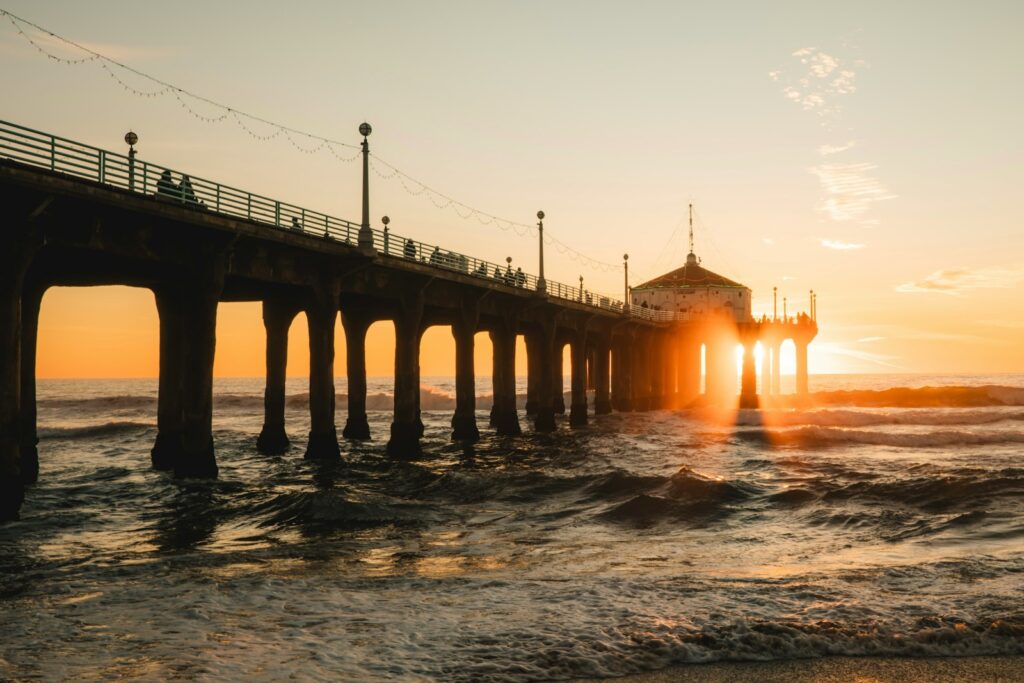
(317, 143)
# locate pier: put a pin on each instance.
(77, 215)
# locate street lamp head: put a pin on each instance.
(365, 129)
(540, 215)
(385, 221)
(508, 260)
(131, 138)
(625, 257)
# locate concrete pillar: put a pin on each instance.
(464, 420)
(578, 356)
(544, 420)
(15, 257)
(31, 298)
(748, 381)
(504, 416)
(688, 368)
(558, 378)
(532, 374)
(669, 361)
(591, 369)
(202, 290)
(622, 373)
(641, 372)
(766, 369)
(801, 367)
(656, 360)
(321, 315)
(776, 368)
(406, 425)
(355, 325)
(170, 306)
(277, 318)
(602, 377)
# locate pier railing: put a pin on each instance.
(68, 157)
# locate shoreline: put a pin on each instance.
(995, 669)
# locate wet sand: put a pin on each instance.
(841, 670)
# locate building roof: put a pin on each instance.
(690, 275)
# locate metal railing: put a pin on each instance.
(67, 157)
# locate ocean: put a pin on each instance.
(873, 523)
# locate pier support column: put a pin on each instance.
(544, 420)
(464, 420)
(170, 307)
(532, 375)
(641, 375)
(688, 369)
(558, 378)
(504, 416)
(355, 325)
(602, 377)
(321, 315)
(669, 361)
(31, 298)
(801, 367)
(277, 318)
(622, 373)
(578, 356)
(405, 425)
(657, 364)
(748, 381)
(766, 369)
(776, 368)
(15, 256)
(202, 290)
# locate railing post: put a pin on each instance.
(145, 178)
(218, 197)
(102, 161)
(277, 214)
(248, 205)
(53, 153)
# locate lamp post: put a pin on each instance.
(385, 220)
(508, 270)
(365, 234)
(810, 313)
(581, 289)
(131, 138)
(625, 287)
(542, 284)
(775, 304)
(785, 313)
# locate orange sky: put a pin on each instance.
(869, 151)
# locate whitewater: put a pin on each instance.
(884, 518)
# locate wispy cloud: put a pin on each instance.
(958, 281)
(1006, 324)
(821, 78)
(868, 340)
(842, 350)
(849, 189)
(828, 150)
(841, 246)
(123, 53)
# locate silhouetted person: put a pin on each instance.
(509, 277)
(481, 271)
(410, 249)
(166, 186)
(435, 256)
(296, 225)
(497, 272)
(520, 278)
(186, 192)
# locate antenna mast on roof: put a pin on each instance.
(691, 227)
